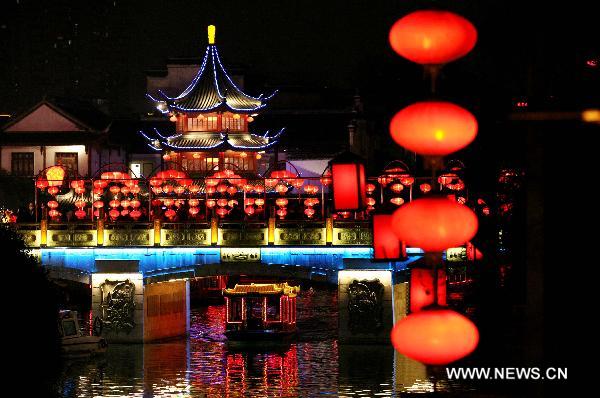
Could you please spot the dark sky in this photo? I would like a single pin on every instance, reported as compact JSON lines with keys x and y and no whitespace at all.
{"x":525,"y":48}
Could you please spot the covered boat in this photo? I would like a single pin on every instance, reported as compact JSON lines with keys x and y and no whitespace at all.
{"x":265,"y":311}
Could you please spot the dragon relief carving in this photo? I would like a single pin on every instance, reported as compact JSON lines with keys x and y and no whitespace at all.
{"x":365,"y":307}
{"x":117,"y":305}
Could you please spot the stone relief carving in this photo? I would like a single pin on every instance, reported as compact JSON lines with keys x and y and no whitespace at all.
{"x":117,"y":305}
{"x":365,"y":307}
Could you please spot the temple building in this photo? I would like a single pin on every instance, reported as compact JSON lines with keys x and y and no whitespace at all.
{"x":212,"y":117}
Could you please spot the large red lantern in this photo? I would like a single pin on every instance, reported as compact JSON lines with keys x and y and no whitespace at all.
{"x":435,"y":337}
{"x":386,"y":244}
{"x":348,"y":182}
{"x":422,"y":288}
{"x":431,"y":37}
{"x":434,"y":128}
{"x":434,"y":224}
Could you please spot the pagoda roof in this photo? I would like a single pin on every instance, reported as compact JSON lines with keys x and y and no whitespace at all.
{"x":263,"y":289}
{"x":212,"y":90}
{"x":210,"y":141}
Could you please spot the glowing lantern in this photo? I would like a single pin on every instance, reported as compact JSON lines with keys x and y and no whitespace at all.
{"x":383,"y":181}
{"x":370,"y":188}
{"x":258,"y":156}
{"x":249,"y":210}
{"x":232,"y":190}
{"x":80,"y":204}
{"x":432,"y":37}
{"x":125,"y":190}
{"x":211,"y":203}
{"x":446,"y":179}
{"x":135,"y":203}
{"x":156,"y":182}
{"x":54,"y":213}
{"x":425,"y":187}
{"x":114,"y":214}
{"x":167,"y":189}
{"x":259,"y":189}
{"x":248,"y":202}
{"x":167,"y":157}
{"x":243,"y":155}
{"x":179,"y":190}
{"x":248,"y":188}
{"x":173,"y":118}
{"x":55,"y":176}
{"x":170,"y":214}
{"x":326,"y":179}
{"x":100,"y":184}
{"x":281,"y":202}
{"x":193,"y":202}
{"x":41,"y":183}
{"x":115,"y":190}
{"x":281,"y":189}
{"x":433,"y":128}
{"x":462,"y":200}
{"x":98,"y":204}
{"x":211,"y":182}
{"x":222,"y":212}
{"x":79,"y":191}
{"x":270,"y":182}
{"x":210,"y":190}
{"x":114,"y":203}
{"x":77,"y":184}
{"x":194,"y":189}
{"x":193,"y":210}
{"x":124,"y":212}
{"x":98,"y":191}
{"x":311,"y":189}
{"x":397,"y":201}
{"x":157,"y":190}
{"x":222,"y":202}
{"x":80,"y":214}
{"x":397,"y":187}
{"x":53,"y":204}
{"x":297,"y":183}
{"x":221,"y":188}
{"x":407,"y":180}
{"x":232,"y":203}
{"x":371,"y":202}
{"x":486,"y":211}
{"x":259,"y":202}
{"x":348,"y":175}
{"x":282,"y":213}
{"x":250,"y":119}
{"x":125,"y":203}
{"x":168,"y":202}
{"x":135,"y":214}
{"x":434,"y":224}
{"x":309,"y":212}
{"x":435,"y":337}
{"x":53,"y":190}
{"x":422,"y":288}
{"x":386,"y":244}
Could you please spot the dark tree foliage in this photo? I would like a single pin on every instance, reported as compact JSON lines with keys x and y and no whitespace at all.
{"x":30,"y":317}
{"x":15,"y":192}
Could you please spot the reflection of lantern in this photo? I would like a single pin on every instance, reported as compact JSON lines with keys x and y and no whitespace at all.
{"x":434,"y":224}
{"x":348,"y":175}
{"x":53,"y":190}
{"x":249,"y":210}
{"x":55,"y":176}
{"x":53,"y":204}
{"x":432,"y":37}
{"x":397,"y":201}
{"x":386,"y":244}
{"x":309,"y":212}
{"x":422,"y":288}
{"x":433,"y":128}
{"x":435,"y":337}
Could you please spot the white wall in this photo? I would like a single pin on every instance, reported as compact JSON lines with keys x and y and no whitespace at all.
{"x":38,"y":157}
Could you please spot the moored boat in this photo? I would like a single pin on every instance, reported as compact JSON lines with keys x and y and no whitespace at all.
{"x":74,"y":342}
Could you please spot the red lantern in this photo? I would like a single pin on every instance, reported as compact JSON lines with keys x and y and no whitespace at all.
{"x":249,"y":210}
{"x":281,"y":189}
{"x":434,"y":224}
{"x":135,"y":214}
{"x":397,"y":187}
{"x":425,"y":187}
{"x":114,"y":214}
{"x":54,"y":213}
{"x":259,"y":189}
{"x":326,"y":179}
{"x":193,"y":210}
{"x":407,"y":180}
{"x":98,"y":204}
{"x":80,"y":214}
{"x":259,"y":202}
{"x":79,"y":190}
{"x":135,"y":203}
{"x":422,"y":288}
{"x":101,"y":184}
{"x":114,"y":203}
{"x":80,"y":204}
{"x":53,"y":204}
{"x":433,"y":128}
{"x":170,"y":214}
{"x":386,"y":244}
{"x":397,"y":201}
{"x":370,"y":188}
{"x":77,"y":184}
{"x":435,"y":337}
{"x":210,"y":203}
{"x":371,"y":202}
{"x":179,"y":190}
{"x":53,"y":190}
{"x":282,"y":213}
{"x":41,"y":183}
{"x":194,"y":189}
{"x":431,"y":37}
{"x":125,"y":203}
{"x":193,"y":202}
{"x":349,"y":184}
{"x":232,"y":203}
{"x":281,"y":202}
{"x":124,"y":212}
{"x":222,"y":212}
{"x":167,"y":189}
{"x":115,"y":190}
{"x":309,"y":212}
{"x":232,"y":190}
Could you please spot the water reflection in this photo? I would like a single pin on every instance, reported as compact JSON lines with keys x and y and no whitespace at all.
{"x":206,"y":365}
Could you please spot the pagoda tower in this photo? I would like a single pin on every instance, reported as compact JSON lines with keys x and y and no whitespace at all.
{"x":212,"y":117}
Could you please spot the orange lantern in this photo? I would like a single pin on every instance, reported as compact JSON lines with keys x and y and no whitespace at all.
{"x":432,"y":37}
{"x":259,"y":189}
{"x":79,"y":191}
{"x":370,"y":188}
{"x":210,"y":190}
{"x":124,"y":212}
{"x":54,"y":213}
{"x":433,"y":128}
{"x":435,"y":337}
{"x":434,"y":224}
{"x":221,"y":188}
{"x":167,"y":189}
{"x":422,"y":288}
{"x":125,"y":203}
{"x":282,"y":213}
{"x":281,"y":189}
{"x":194,"y":189}
{"x":397,"y":201}
{"x":371,"y":202}
{"x":179,"y":190}
{"x":77,"y":184}
{"x":55,"y":175}
{"x":193,"y":202}
{"x":168,"y":202}
{"x":326,"y":179}
{"x":114,"y":203}
{"x":222,"y":202}
{"x":248,"y":202}
{"x":101,"y":184}
{"x":115,"y":190}
{"x":232,"y":203}
{"x":232,"y":190}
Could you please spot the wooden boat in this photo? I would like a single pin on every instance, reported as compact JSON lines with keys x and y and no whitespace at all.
{"x":261,"y":312}
{"x":74,"y":342}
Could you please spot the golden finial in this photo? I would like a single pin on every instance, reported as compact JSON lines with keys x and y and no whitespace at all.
{"x":211,"y":34}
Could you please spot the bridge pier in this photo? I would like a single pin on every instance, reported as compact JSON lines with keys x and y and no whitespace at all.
{"x":133,"y":312}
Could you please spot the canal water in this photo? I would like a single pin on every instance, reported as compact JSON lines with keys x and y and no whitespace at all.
{"x":204,"y":365}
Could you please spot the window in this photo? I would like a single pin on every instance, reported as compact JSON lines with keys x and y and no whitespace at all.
{"x":240,"y":160}
{"x":204,"y":123}
{"x":22,"y":163}
{"x":232,"y":124}
{"x":200,"y":163}
{"x":68,"y":160}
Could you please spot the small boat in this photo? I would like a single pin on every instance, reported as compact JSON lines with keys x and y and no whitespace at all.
{"x":74,"y":342}
{"x":261,"y":312}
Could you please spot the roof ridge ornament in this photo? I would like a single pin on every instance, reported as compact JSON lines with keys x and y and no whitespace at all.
{"x":212,"y":30}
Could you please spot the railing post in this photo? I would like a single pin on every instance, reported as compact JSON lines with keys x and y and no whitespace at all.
{"x":100,"y":229}
{"x":157,"y":231}
{"x":43,"y":231}
{"x":328,"y":231}
{"x":214,"y":230}
{"x":271,"y":231}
